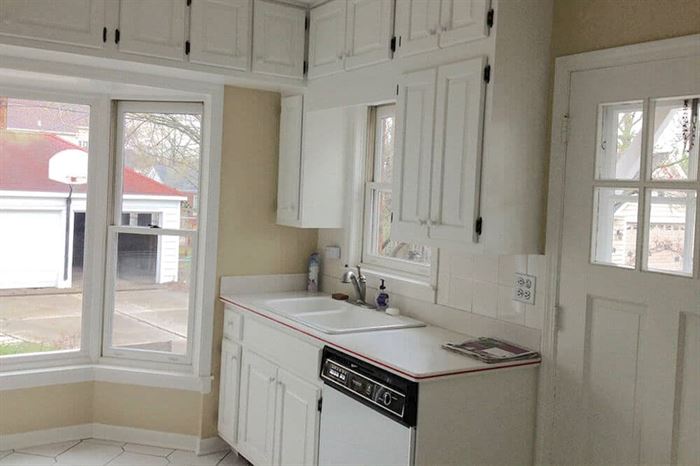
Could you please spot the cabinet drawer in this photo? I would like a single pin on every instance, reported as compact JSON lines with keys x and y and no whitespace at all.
{"x":233,"y":324}
{"x":287,"y":351}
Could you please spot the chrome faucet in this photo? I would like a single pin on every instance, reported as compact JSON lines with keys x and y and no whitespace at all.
{"x":359,"y":282}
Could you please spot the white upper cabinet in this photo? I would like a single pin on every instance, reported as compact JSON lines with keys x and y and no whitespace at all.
{"x":327,"y":38}
{"x":462,"y":21}
{"x":73,"y":22}
{"x":155,"y":28}
{"x":289,"y":170}
{"x":368,"y":32}
{"x":278,"y":39}
{"x":220,"y":33}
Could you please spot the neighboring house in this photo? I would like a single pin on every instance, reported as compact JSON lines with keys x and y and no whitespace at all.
{"x":32,"y":253}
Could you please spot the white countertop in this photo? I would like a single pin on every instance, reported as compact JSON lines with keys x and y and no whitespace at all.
{"x":414,"y":353}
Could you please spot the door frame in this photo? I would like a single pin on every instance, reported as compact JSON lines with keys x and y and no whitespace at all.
{"x":685,"y":46}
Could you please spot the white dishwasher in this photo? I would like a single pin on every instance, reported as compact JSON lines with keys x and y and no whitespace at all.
{"x":368,"y":416}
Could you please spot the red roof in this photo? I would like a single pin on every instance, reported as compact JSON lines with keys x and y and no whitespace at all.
{"x":24,"y":166}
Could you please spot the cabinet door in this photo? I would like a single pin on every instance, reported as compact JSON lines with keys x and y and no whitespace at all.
{"x":278,"y":39}
{"x":296,"y":421}
{"x":220,"y":33}
{"x":457,"y":151}
{"x":289,"y":170}
{"x":155,"y":28}
{"x":257,"y":408}
{"x":327,"y":38}
{"x":417,"y":23}
{"x":229,"y":379}
{"x":462,"y":21}
{"x":368,"y":32}
{"x":74,"y":22}
{"x":412,"y":163}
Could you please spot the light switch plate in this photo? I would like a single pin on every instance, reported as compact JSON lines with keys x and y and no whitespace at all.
{"x":524,"y":288}
{"x":332,"y":252}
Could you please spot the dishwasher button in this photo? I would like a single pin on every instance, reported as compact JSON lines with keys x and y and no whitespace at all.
{"x":386,"y":398}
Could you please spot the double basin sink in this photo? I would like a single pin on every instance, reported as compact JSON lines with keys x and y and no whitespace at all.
{"x":330,"y":316}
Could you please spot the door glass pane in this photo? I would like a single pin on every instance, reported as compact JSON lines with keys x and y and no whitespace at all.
{"x":43,"y":197}
{"x":671,"y":231}
{"x":615,"y":227}
{"x":620,"y":141}
{"x":151,"y":301}
{"x":161,"y":154}
{"x":675,"y":148}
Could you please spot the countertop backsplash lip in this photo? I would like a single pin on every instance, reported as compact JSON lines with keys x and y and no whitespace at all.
{"x":252,"y":284}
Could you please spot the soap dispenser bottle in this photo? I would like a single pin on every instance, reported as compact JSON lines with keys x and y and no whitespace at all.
{"x":382,"y":300}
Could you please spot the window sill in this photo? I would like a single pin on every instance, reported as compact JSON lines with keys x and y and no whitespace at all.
{"x":103,"y":373}
{"x":410,"y":286}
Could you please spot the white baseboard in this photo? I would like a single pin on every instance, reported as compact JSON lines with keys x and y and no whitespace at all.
{"x":115,"y":433}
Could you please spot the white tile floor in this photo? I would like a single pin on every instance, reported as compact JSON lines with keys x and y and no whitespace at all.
{"x":95,"y":452}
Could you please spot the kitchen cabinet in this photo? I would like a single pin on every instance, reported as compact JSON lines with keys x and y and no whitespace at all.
{"x":154,"y":28}
{"x":220,"y":33}
{"x":289,"y":168}
{"x":71,"y":22}
{"x":425,"y":25}
{"x":228,"y":391}
{"x":279,"y":33}
{"x":437,"y":168}
{"x":327,"y":38}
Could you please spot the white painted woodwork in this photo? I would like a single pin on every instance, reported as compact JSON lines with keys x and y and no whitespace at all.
{"x":289,"y":168}
{"x":297,"y":419}
{"x":73,"y":22}
{"x":413,"y":155}
{"x":257,"y":408}
{"x":368,"y":32}
{"x":278,"y":39}
{"x":417,"y":26}
{"x":229,"y":384}
{"x":327,"y":38}
{"x":462,"y":21}
{"x":220,"y":33}
{"x":155,"y":28}
{"x":627,"y":347}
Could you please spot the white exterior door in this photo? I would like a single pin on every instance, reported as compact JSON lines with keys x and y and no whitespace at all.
{"x":459,"y":119}
{"x":257,"y":408}
{"x":412,"y":163}
{"x":417,"y":23}
{"x":628,"y":352}
{"x":296,"y":421}
{"x":289,"y":170}
{"x":278,"y":39}
{"x":327,"y":38}
{"x":462,"y":21}
{"x":74,"y":22}
{"x":220,"y":32}
{"x":368,"y":32}
{"x":229,"y":379}
{"x":155,"y":28}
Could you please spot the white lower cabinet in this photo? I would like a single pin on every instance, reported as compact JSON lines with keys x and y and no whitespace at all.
{"x":228,"y":390}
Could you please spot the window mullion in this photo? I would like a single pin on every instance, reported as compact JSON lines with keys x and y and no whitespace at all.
{"x":643,"y":210}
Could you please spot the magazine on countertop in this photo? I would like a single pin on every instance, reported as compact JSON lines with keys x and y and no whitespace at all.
{"x":492,"y":350}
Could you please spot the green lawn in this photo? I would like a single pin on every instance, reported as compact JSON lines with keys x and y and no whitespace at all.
{"x":23,"y":347}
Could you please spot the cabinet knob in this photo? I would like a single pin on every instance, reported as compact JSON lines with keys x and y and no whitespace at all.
{"x":422,"y":222}
{"x":272,"y":378}
{"x":432,"y":32}
{"x":443,"y":29}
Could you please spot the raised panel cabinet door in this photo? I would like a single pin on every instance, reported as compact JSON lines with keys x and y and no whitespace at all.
{"x":459,"y":120}
{"x":278,"y":39}
{"x":289,"y":169}
{"x":417,"y":24}
{"x":462,"y":21}
{"x":220,"y":33}
{"x":155,"y":28}
{"x":327,"y":38}
{"x":257,"y":408}
{"x":368,"y":32}
{"x":229,"y":379}
{"x":296,"y":421}
{"x":413,"y":157}
{"x":74,"y":22}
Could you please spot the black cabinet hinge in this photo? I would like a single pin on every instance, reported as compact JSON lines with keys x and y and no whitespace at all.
{"x":104,"y":34}
{"x":189,"y":2}
{"x":116,"y":36}
{"x":306,"y":67}
{"x":489,"y":18}
{"x":306,"y":23}
{"x":397,"y":89}
{"x":478,"y":225}
{"x":320,"y":404}
{"x":392,"y":44}
{"x":187,"y":47}
{"x":487,"y":73}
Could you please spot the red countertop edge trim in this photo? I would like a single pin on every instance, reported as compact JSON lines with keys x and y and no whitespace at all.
{"x":379,"y":363}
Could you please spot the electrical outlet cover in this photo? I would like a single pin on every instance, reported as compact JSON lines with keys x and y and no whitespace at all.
{"x":524,"y":288}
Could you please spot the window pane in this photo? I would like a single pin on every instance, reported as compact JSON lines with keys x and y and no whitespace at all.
{"x":43,"y":196}
{"x":151,"y":303}
{"x":382,"y":245}
{"x":615,"y":227}
{"x":161,"y":167}
{"x":671,"y":231}
{"x":620,"y":142}
{"x":385,"y":148}
{"x":675,"y":149}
